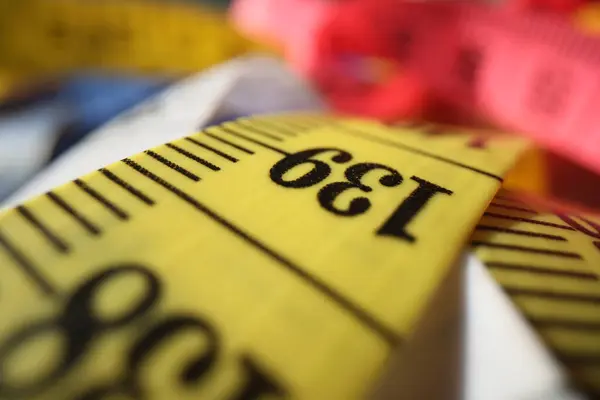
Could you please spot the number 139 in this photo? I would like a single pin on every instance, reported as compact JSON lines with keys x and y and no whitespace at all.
{"x":394,"y":226}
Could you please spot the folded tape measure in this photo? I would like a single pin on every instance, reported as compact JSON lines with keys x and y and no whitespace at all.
{"x":46,"y":37}
{"x":275,"y":257}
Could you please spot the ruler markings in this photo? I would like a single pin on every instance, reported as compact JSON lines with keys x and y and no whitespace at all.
{"x":227,"y":142}
{"x":293,"y":128}
{"x":368,"y":320}
{"x":514,"y":208}
{"x":391,"y":337}
{"x":211,"y":149}
{"x":66,"y":207}
{"x":27,"y":267}
{"x":258,"y":142}
{"x":550,"y":294}
{"x":174,"y":166}
{"x":415,"y":150}
{"x":509,"y":199}
{"x":525,"y":249}
{"x":50,"y":236}
{"x":283,"y":128}
{"x":527,"y":220}
{"x":519,"y":232}
{"x":193,"y":157}
{"x":536,"y":269}
{"x":109,"y":205}
{"x":128,"y":187}
{"x":259,"y":131}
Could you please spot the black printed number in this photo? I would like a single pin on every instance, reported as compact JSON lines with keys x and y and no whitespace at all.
{"x":320,"y":170}
{"x":80,"y":327}
{"x":395,"y":226}
{"x":354,"y":174}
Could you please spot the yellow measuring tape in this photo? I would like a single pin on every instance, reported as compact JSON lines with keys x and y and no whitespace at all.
{"x":278,"y":256}
{"x":548,"y":264}
{"x":40,"y":36}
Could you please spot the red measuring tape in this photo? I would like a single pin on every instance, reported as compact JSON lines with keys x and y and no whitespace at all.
{"x":528,"y":72}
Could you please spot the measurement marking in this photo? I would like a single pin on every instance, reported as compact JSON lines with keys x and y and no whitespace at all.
{"x":530,"y":221}
{"x":133,"y":191}
{"x":27,"y":267}
{"x":519,"y":232}
{"x":535,"y":269}
{"x":525,"y":249}
{"x":258,"y":142}
{"x":507,"y":207}
{"x":212,"y":149}
{"x":220,"y":139}
{"x":112,"y":207}
{"x":549,"y":323}
{"x":283,"y":129}
{"x":84,"y":222}
{"x":193,"y":157}
{"x":387,"y":334}
{"x":54,"y":240}
{"x":173,"y":166}
{"x":289,"y":128}
{"x":508,"y":198}
{"x":552,"y":295}
{"x":513,"y":201}
{"x":260,"y":132}
{"x":375,"y":139}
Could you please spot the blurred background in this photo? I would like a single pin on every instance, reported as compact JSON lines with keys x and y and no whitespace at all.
{"x":67,"y":67}
{"x":87,"y":82}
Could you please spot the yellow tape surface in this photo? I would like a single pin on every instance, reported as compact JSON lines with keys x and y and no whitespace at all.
{"x":549,"y":264}
{"x":279,"y":256}
{"x":40,"y":36}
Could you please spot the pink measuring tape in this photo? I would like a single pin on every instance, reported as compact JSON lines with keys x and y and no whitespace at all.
{"x":270,"y":21}
{"x":528,"y":72}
